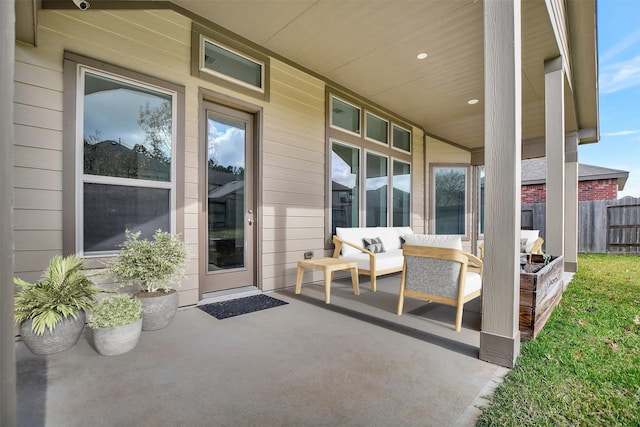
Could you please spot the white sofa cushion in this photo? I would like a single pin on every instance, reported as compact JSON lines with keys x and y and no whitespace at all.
{"x":436,"y":240}
{"x":384,"y":260}
{"x":531,"y":236}
{"x":473,"y":283}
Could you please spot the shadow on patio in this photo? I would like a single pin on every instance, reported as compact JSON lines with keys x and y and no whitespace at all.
{"x":353,"y":362}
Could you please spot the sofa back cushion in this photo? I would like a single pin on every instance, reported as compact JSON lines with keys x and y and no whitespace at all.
{"x":390,"y":237}
{"x":436,"y":240}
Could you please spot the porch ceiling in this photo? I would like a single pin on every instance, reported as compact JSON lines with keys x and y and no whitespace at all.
{"x":371,"y":48}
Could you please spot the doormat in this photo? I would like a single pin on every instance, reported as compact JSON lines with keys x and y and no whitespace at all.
{"x":236,"y":307}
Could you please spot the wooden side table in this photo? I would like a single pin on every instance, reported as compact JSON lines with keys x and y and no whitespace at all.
{"x":328,"y":266}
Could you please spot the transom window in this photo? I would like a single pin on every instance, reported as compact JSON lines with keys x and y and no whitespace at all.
{"x":228,"y":64}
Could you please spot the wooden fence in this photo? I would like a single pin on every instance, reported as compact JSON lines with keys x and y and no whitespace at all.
{"x":604,"y":226}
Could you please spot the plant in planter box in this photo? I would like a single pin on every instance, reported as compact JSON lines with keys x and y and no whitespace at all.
{"x":117,"y":324}
{"x":153,"y":265}
{"x":51,"y":312}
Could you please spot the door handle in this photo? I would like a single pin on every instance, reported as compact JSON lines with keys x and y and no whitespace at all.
{"x":250,"y":220}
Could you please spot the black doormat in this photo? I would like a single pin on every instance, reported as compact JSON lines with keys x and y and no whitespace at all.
{"x":236,"y":307}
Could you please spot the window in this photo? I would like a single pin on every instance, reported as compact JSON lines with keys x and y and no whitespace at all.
{"x":401,"y":139}
{"x":228,"y":64}
{"x":450,"y":203}
{"x":370,"y":180}
{"x":401,"y":194}
{"x":345,"y":187}
{"x":345,"y":115}
{"x":377,"y":189}
{"x":377,"y":128}
{"x":121,"y":156}
{"x":219,"y":58}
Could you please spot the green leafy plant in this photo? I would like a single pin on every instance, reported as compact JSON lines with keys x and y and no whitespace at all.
{"x":64,"y":290}
{"x":118,"y":310}
{"x":151,"y":264}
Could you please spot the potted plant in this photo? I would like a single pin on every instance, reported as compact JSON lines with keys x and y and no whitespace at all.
{"x":51,"y":312}
{"x":117,"y":324}
{"x":153,"y":265}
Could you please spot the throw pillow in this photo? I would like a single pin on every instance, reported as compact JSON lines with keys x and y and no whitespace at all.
{"x":402,"y":241}
{"x":523,"y":246}
{"x":373,"y":244}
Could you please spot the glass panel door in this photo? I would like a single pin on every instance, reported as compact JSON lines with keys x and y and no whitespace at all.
{"x":229,"y":219}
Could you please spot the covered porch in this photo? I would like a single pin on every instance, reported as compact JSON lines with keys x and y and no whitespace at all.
{"x":501,"y":81}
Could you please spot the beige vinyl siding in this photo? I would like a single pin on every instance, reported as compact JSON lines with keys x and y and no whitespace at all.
{"x":293,"y":182}
{"x":418,"y":217}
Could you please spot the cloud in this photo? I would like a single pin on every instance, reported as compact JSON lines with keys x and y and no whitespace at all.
{"x":621,"y":75}
{"x":621,"y":46}
{"x":622,"y":133}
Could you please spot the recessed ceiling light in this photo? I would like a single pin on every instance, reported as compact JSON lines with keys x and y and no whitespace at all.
{"x":472,"y":101}
{"x":422,"y":55}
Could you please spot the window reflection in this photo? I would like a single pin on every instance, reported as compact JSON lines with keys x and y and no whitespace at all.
{"x":450,"y":202}
{"x":345,"y":169}
{"x":377,"y":190}
{"x":401,"y":194}
{"x":127,"y":130}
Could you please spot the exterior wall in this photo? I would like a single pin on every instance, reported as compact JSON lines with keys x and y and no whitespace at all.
{"x":292,"y":185}
{"x":600,"y":189}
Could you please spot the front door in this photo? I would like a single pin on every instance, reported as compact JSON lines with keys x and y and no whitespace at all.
{"x":227,"y":220}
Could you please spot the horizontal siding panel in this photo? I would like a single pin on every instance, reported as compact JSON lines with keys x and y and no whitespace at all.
{"x":37,"y":96}
{"x":50,"y":59}
{"x":26,"y":219}
{"x":295,"y":153}
{"x":139,"y":24}
{"x":303,"y":80}
{"x":37,"y":158}
{"x":27,"y":136}
{"x":289,"y":199}
{"x":282,"y":221}
{"x":293,"y":187}
{"x":100,"y":30}
{"x":310,"y":143}
{"x":291,"y":210}
{"x":293,"y":234}
{"x":275,"y":246}
{"x":48,"y":240}
{"x":26,"y":198}
{"x":37,"y":117}
{"x":292,"y":257}
{"x":274,"y":160}
{"x":32,"y":261}
{"x":37,"y":179}
{"x":299,"y":175}
{"x":283,"y":118}
{"x":39,"y":76}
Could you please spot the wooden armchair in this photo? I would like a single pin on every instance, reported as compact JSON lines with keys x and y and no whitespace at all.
{"x":442,"y":275}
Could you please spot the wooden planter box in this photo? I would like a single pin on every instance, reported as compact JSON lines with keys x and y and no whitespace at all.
{"x":539,"y":294}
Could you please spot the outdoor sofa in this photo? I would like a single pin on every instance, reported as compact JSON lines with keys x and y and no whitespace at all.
{"x":377,"y":250}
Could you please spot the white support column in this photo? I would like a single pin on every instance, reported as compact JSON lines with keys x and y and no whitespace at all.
{"x":554,"y":147}
{"x":571,"y":203}
{"x":7,"y":340}
{"x":500,"y":335}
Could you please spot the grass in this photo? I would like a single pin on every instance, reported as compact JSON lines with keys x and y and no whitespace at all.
{"x":584,"y":367}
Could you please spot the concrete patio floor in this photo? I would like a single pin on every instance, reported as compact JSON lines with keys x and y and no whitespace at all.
{"x":351,"y":363}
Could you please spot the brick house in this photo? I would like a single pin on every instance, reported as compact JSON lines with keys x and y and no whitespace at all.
{"x":594,"y":182}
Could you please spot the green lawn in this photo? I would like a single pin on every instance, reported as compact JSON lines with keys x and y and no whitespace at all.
{"x":584,"y":367}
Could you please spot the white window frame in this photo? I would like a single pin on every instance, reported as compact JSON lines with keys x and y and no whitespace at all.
{"x":360,"y":181}
{"x":204,"y":69}
{"x":392,"y":160}
{"x":82,"y":178}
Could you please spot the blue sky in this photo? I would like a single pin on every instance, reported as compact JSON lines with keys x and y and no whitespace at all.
{"x":619,"y":68}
